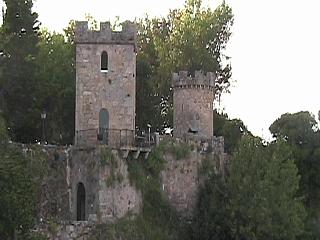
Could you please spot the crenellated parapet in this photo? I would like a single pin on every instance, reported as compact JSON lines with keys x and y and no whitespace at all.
{"x":183,"y":79}
{"x":106,"y":35}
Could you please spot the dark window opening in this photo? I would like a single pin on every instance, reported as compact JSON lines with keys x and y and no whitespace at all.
{"x":104,"y":62}
{"x":81,"y":202}
{"x":103,"y":125}
{"x":193,"y":131}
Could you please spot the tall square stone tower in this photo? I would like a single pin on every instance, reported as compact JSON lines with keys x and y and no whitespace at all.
{"x":105,"y":80}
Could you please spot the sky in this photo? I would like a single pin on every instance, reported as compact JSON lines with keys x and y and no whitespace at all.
{"x":274,"y":49}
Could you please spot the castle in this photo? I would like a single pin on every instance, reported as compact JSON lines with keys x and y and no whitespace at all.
{"x":105,"y":124}
{"x":106,"y":89}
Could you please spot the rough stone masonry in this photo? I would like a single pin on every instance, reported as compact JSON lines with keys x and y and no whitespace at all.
{"x":193,"y":104}
{"x":112,"y":88}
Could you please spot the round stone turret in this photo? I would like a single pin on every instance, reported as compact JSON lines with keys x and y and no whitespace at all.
{"x":193,"y":104}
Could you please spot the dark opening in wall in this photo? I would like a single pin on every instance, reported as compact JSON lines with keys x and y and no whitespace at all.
{"x":81,"y":202}
{"x":104,"y":62}
{"x":103,"y":125}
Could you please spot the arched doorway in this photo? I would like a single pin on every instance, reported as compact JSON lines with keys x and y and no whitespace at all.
{"x":81,"y":202}
{"x":104,"y":125}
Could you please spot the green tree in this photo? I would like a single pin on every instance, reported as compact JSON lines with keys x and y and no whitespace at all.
{"x":19,"y":182}
{"x":19,"y":46}
{"x":55,"y":87}
{"x":301,"y":131}
{"x":3,"y":131}
{"x":148,"y":100}
{"x":258,"y":198}
{"x":191,"y":38}
{"x":231,"y":129}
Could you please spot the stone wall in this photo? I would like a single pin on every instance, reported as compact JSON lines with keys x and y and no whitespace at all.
{"x":121,"y":197}
{"x":114,"y":89}
{"x":84,"y":168}
{"x":109,"y":195}
{"x":66,"y":231}
{"x":182,"y":178}
{"x":107,"y":198}
{"x":181,"y":181}
{"x":193,"y":104}
{"x":55,"y":188}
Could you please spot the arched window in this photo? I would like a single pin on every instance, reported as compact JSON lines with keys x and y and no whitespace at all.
{"x":81,"y":202}
{"x":104,"y":61}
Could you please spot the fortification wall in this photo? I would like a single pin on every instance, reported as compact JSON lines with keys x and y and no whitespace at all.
{"x":117,"y":197}
{"x":54,"y":196}
{"x":183,"y":178}
{"x":105,"y":177}
{"x":108,"y":192}
{"x":181,"y":181}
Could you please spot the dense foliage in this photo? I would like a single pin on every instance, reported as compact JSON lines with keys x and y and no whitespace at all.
{"x":301,"y":131}
{"x":55,"y":87}
{"x":19,"y":39}
{"x":257,"y":199}
{"x":231,"y":129}
{"x":20,"y":179}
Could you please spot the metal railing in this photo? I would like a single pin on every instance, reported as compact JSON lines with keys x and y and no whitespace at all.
{"x":116,"y":138}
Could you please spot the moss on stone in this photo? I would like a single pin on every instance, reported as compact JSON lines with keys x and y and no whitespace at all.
{"x":107,"y":157}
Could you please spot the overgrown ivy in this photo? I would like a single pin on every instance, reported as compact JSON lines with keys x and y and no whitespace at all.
{"x":157,"y":220}
{"x":209,"y":165}
{"x":108,"y":159}
{"x":22,"y":169}
{"x":180,"y":150}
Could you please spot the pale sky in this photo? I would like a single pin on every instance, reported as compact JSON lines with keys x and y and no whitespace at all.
{"x":275,"y":50}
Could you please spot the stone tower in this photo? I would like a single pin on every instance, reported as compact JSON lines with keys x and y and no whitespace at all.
{"x":105,"y":80}
{"x":193,"y":104}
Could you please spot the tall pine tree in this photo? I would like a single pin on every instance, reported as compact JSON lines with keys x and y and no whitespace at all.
{"x":19,"y":36}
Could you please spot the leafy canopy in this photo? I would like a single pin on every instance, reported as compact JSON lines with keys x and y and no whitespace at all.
{"x":20,"y":177}
{"x":191,"y":38}
{"x":301,"y":131}
{"x":258,"y":198}
{"x":19,"y":38}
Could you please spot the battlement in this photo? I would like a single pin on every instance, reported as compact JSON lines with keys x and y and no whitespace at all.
{"x":106,"y":35}
{"x":183,"y":79}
